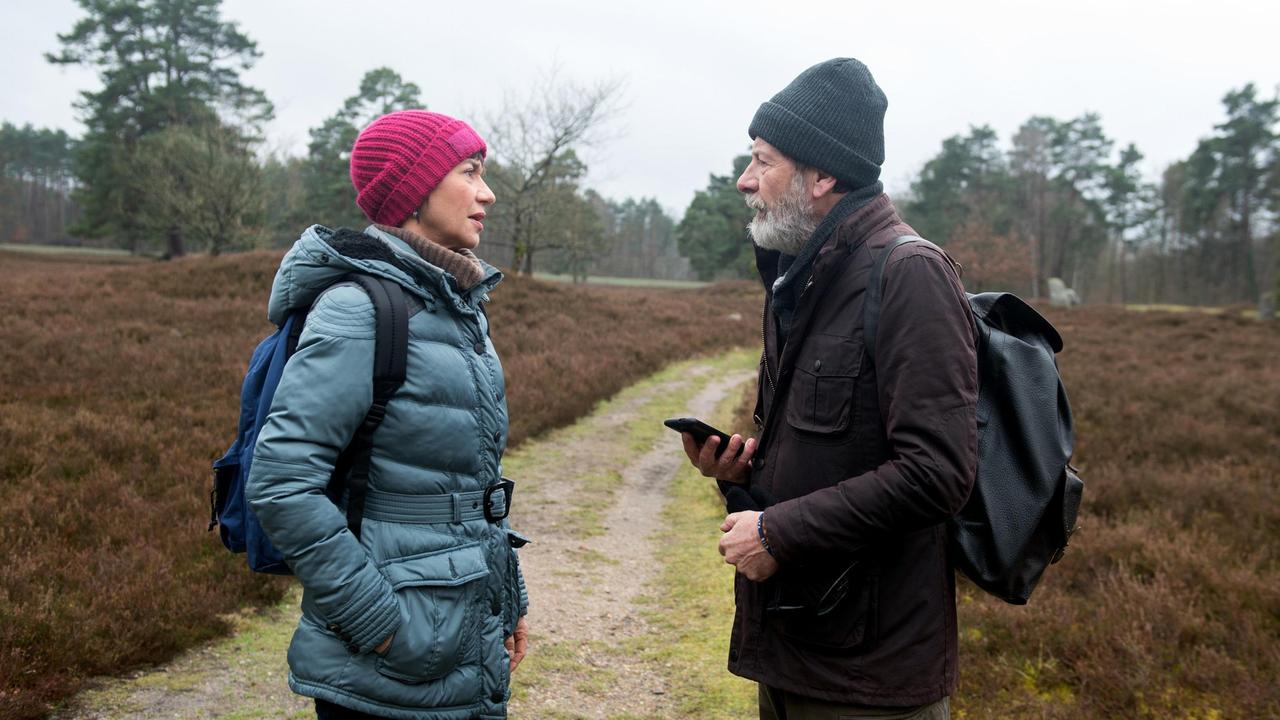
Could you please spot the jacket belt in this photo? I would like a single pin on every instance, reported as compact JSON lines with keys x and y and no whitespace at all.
{"x":432,"y":509}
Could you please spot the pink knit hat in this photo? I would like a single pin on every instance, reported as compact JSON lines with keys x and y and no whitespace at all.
{"x":400,"y":158}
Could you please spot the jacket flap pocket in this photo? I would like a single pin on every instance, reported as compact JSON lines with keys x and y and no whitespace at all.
{"x":831,"y":356}
{"x":822,"y":392}
{"x":443,"y":568}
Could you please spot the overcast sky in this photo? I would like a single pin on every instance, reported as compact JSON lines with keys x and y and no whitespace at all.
{"x":695,"y":71}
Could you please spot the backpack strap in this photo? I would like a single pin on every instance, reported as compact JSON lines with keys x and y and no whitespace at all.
{"x":875,"y":293}
{"x":390,"y":359}
{"x":295,"y":331}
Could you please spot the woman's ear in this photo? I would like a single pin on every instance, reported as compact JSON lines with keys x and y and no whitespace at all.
{"x":411,"y":223}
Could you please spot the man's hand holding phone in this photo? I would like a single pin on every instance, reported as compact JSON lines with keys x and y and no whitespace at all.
{"x":727,"y":461}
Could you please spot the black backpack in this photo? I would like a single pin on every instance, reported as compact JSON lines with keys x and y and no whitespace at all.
{"x":230,"y":512}
{"x":1022,"y":510}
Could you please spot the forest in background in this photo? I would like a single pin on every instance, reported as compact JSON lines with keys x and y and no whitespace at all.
{"x":174,"y":160}
{"x":1061,"y":200}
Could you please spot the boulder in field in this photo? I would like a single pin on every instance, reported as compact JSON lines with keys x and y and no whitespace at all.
{"x":1060,"y":295}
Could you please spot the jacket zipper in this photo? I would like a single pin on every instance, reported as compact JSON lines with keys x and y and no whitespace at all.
{"x":764,"y":336}
{"x":764,"y":346}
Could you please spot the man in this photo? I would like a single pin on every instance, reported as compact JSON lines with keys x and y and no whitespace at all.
{"x":845,"y":598}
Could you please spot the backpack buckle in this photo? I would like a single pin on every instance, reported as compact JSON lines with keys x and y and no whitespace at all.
{"x":372,"y":419}
{"x":1057,"y":555}
{"x":507,"y":487}
{"x":213,"y":510}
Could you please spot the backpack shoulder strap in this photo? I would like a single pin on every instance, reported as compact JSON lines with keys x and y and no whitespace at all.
{"x":391,"y":349}
{"x":390,"y":360}
{"x":875,"y":292}
{"x":299,"y":320}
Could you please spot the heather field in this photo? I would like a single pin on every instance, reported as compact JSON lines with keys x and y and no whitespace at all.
{"x":118,"y":386}
{"x":1167,"y":604}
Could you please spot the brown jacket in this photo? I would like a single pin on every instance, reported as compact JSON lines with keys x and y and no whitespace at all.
{"x":866,"y":458}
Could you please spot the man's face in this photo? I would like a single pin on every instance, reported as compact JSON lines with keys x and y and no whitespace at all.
{"x":768,"y":176}
{"x":779,"y":193}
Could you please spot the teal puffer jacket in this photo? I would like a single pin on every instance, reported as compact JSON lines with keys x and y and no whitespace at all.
{"x":428,"y":567}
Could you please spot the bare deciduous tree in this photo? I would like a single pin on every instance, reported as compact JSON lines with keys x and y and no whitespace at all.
{"x":535,"y":138}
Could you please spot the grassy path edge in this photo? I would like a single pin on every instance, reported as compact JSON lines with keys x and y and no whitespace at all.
{"x":691,"y":605}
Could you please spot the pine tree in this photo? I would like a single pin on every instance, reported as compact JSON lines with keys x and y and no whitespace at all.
{"x":331,"y":199}
{"x":162,"y":63}
{"x":713,"y":231}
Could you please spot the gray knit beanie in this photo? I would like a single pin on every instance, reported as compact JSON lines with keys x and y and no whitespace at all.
{"x":830,"y":117}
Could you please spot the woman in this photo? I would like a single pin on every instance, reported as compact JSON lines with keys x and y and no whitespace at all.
{"x":422,"y":616}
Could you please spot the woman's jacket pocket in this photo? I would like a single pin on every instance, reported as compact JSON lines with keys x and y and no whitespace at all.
{"x":440,"y":597}
{"x":514,"y":589}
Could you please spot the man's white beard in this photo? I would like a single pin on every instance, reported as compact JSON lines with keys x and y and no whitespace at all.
{"x":787,"y":226}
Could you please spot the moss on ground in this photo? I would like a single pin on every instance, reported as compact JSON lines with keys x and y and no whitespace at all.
{"x":239,"y":677}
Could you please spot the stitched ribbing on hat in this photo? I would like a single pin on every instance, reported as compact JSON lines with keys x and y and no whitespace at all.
{"x":802,"y":141}
{"x":400,"y":158}
{"x":830,"y":117}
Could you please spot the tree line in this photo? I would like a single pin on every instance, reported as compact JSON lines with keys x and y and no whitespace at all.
{"x":36,"y":178}
{"x":1060,"y":200}
{"x":173,"y":157}
{"x":173,"y":160}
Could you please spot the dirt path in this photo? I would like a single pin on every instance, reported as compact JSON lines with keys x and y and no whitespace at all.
{"x":588,"y":586}
{"x":591,"y":496}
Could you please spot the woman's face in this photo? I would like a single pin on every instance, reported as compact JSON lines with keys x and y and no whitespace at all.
{"x":453,"y":214}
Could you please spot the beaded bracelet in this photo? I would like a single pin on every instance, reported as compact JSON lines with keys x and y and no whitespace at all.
{"x":760,"y":531}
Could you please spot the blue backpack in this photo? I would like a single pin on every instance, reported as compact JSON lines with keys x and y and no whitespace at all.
{"x":229,"y":509}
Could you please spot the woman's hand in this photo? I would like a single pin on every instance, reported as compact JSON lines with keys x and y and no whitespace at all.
{"x":518,"y":644}
{"x":382,"y":648}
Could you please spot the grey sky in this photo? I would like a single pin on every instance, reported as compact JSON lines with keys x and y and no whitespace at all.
{"x":695,"y":71}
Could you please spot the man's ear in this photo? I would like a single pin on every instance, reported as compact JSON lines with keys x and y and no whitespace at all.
{"x":823,"y":184}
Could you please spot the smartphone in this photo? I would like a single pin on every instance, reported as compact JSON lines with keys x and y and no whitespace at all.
{"x":699,"y":430}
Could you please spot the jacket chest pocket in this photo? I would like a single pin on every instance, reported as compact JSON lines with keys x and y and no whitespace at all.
{"x":440,"y":595}
{"x":821,"y":397}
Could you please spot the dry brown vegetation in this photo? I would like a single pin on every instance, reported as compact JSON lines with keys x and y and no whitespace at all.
{"x":119,"y":386}
{"x":1168,"y":602}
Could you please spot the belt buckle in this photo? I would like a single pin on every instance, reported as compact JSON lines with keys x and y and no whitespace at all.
{"x":507,"y":487}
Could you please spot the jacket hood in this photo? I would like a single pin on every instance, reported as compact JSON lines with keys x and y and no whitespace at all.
{"x":321,"y":256}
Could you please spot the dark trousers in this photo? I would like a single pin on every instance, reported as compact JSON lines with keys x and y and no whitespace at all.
{"x":329,"y":711}
{"x":778,"y":704}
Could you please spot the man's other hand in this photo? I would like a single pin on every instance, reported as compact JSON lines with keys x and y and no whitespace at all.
{"x":741,"y":546}
{"x":733,"y":465}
